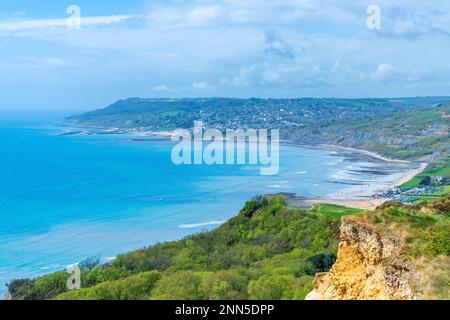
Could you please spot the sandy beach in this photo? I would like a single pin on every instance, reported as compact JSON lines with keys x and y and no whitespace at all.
{"x":365,"y":197}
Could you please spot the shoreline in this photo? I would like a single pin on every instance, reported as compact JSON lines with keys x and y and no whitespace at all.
{"x":350,"y":197}
{"x":368,"y":153}
{"x":353,"y":198}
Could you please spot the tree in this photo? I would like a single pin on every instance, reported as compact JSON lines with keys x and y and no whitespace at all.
{"x":271,"y":287}
{"x":426,"y":181}
{"x":89,"y":263}
{"x":224,"y":285}
{"x":182,"y":285}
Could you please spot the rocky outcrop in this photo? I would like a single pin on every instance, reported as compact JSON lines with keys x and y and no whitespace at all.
{"x":369,"y":266}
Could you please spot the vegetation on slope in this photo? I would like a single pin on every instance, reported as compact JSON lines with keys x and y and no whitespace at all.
{"x":268,"y":251}
{"x":424,"y":230}
{"x":433,"y":183}
{"x":409,"y":134}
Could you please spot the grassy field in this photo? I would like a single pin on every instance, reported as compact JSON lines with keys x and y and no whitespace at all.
{"x":440,"y":168}
{"x":335,"y":212}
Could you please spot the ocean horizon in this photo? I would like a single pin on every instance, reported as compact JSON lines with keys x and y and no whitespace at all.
{"x":67,"y":198}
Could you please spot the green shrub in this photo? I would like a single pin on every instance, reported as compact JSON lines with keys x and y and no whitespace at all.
{"x":136,"y":287}
{"x":435,"y":241}
{"x":20,"y":288}
{"x":39,"y":289}
{"x":182,"y":285}
{"x":102,"y":274}
{"x":224,"y":285}
{"x":271,"y":287}
{"x":302,"y":286}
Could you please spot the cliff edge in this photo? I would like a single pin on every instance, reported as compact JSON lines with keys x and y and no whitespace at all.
{"x":369,"y":266}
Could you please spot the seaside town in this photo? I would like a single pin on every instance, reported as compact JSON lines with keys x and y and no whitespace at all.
{"x":429,"y":187}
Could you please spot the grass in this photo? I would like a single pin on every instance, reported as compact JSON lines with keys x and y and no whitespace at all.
{"x":435,"y":277}
{"x":444,"y":171}
{"x":172,"y":113}
{"x":420,"y":198}
{"x":414,"y":182}
{"x":439,"y":169}
{"x":335,"y":212}
{"x":440,"y":193}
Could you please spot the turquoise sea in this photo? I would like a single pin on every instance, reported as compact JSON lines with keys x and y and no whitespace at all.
{"x":66,"y":198}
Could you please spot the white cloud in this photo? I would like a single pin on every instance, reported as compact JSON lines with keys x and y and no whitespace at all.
{"x":184,"y":16}
{"x":238,"y":47}
{"x":202,"y":86}
{"x":413,"y":26}
{"x":161,"y":88}
{"x":383,"y":72}
{"x":23,"y":25}
{"x":295,"y":74}
{"x":200,"y":13}
{"x":203,"y":15}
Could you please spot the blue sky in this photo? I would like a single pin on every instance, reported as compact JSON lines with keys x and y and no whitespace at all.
{"x":237,"y":48}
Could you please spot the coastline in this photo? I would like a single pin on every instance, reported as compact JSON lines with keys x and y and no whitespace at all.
{"x":354,"y":198}
{"x":350,"y":197}
{"x":367,"y":152}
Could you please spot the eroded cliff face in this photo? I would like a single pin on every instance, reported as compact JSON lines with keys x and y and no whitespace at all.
{"x":369,"y":266}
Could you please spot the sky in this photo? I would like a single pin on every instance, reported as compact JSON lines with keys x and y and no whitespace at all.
{"x":50,"y":58}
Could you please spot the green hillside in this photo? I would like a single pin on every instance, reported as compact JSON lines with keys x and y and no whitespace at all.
{"x":407,"y":128}
{"x":268,"y":251}
{"x":409,"y":134}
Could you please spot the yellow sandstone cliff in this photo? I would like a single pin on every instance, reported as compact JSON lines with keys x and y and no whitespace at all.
{"x":369,"y":266}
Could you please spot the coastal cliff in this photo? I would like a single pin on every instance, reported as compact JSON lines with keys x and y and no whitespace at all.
{"x":271,"y":251}
{"x":369,"y":265}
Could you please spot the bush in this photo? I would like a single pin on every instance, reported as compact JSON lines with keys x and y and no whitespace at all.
{"x":425,"y":181}
{"x":137,"y":287}
{"x":224,"y":285}
{"x":438,"y":239}
{"x":253,"y":205}
{"x":102,"y":274}
{"x":89,"y":263}
{"x":182,"y":285}
{"x":302,"y":286}
{"x":271,"y":287}
{"x":20,"y":288}
{"x":322,"y":262}
{"x":51,"y":285}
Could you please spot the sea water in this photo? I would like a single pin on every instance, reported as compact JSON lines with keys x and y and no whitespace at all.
{"x":67,"y":198}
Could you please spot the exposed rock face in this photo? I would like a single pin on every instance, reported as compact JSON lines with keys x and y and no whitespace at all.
{"x":368,"y":267}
